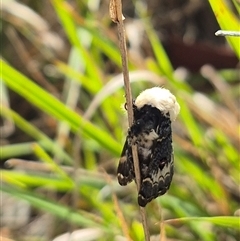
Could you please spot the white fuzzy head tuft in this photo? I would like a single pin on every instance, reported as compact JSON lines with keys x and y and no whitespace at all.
{"x":160,"y":98}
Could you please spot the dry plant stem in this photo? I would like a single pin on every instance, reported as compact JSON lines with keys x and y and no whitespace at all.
{"x":128,"y":93}
{"x":123,"y":49}
{"x":119,"y":212}
{"x":163,"y":232}
{"x":30,"y":166}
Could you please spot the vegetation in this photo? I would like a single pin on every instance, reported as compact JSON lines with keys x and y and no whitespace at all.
{"x":75,"y":145}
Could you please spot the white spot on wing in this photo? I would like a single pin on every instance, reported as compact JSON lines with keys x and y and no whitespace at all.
{"x":161,"y":175}
{"x":152,"y":135}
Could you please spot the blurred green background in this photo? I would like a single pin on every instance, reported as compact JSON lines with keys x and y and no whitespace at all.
{"x":63,"y":123}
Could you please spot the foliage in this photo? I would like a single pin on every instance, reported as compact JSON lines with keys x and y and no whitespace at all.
{"x":204,"y":195}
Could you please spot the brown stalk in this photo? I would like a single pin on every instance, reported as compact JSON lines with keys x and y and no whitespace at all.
{"x":117,"y":17}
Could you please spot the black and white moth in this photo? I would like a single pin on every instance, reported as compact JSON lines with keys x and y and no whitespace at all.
{"x":154,"y":110}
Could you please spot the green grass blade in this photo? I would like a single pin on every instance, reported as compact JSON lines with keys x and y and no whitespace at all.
{"x":223,"y":221}
{"x":237,"y":5}
{"x":35,"y":180}
{"x":49,"y":104}
{"x":227,"y":21}
{"x":34,"y":133}
{"x":15,"y":150}
{"x":44,"y":157}
{"x":54,"y":208}
{"x":64,"y":13}
{"x":160,"y":54}
{"x":190,"y":123}
{"x":103,"y":44}
{"x":69,"y":72}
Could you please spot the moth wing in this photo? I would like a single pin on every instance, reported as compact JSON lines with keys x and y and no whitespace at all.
{"x":157,"y":178}
{"x":125,"y":171}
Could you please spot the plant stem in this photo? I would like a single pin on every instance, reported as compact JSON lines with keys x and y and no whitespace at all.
{"x":116,"y":15}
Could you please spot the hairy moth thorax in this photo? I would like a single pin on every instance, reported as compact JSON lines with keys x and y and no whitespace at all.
{"x":154,"y":110}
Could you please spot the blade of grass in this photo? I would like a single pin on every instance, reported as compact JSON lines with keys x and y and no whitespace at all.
{"x":162,"y":59}
{"x":54,"y":208}
{"x":44,"y":157}
{"x":190,"y":123}
{"x":11,"y":150}
{"x":237,"y":5}
{"x":106,"y":47}
{"x":206,"y":182}
{"x":68,"y":71}
{"x":35,"y":133}
{"x":160,"y":54}
{"x":33,"y":180}
{"x":227,"y":21}
{"x":49,"y":104}
{"x":64,"y":11}
{"x":183,"y":208}
{"x":223,"y":221}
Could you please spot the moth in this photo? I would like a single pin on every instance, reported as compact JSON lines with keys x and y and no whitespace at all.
{"x":154,"y":111}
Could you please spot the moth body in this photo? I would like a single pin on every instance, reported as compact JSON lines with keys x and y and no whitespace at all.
{"x":154,"y":110}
